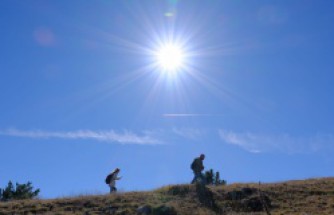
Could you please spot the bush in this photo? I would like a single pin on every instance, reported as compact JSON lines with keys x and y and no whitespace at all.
{"x":213,"y":179}
{"x":21,"y":191}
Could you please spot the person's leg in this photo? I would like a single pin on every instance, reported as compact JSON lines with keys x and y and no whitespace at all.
{"x":194,"y":179}
{"x":203,"y":179}
{"x":196,"y":176}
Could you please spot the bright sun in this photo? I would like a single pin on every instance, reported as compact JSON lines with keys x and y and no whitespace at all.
{"x":170,"y":57}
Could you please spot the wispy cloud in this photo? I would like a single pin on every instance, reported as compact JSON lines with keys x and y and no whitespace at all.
{"x":126,"y":137}
{"x":189,"y":133}
{"x":286,"y":143}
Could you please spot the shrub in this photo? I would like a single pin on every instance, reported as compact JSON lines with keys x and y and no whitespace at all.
{"x":213,"y":179}
{"x":21,"y":191}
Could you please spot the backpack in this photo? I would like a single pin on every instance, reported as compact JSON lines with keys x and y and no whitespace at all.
{"x":193,"y":165}
{"x":108,"y":178}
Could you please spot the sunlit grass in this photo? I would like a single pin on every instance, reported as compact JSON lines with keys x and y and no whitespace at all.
{"x":314,"y":196}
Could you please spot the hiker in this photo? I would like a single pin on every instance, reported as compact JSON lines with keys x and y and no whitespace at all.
{"x":111,"y":180}
{"x":197,"y":167}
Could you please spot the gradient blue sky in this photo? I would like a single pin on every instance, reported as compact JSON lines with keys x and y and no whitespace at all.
{"x":80,"y":92}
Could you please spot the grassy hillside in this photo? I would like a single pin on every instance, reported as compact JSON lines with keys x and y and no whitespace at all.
{"x":304,"y":197}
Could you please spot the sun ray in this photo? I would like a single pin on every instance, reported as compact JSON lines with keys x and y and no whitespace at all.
{"x":170,"y":57}
{"x":171,"y":54}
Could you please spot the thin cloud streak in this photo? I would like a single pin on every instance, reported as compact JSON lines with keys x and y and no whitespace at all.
{"x":189,"y":133}
{"x":285,"y":143}
{"x":126,"y":137}
{"x":188,"y":115}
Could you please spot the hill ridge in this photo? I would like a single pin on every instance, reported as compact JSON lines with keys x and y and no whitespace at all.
{"x":310,"y":196}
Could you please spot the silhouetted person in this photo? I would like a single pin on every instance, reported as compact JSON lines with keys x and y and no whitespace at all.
{"x":111,"y":180}
{"x":197,"y":167}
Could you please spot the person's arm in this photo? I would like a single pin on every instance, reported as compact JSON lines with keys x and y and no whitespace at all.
{"x":202,"y":166}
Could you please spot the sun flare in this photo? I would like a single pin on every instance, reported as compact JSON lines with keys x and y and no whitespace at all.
{"x":170,"y":57}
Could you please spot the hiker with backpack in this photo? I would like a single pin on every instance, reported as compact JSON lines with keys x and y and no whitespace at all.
{"x":197,"y":167}
{"x":111,"y":180}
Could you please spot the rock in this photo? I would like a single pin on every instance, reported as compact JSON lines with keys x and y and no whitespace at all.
{"x":112,"y":209}
{"x":164,"y":210}
{"x":252,"y":204}
{"x":234,"y":195}
{"x":206,"y":197}
{"x":123,"y":212}
{"x":255,"y":203}
{"x":241,"y":194}
{"x":248,"y":191}
{"x":144,"y":210}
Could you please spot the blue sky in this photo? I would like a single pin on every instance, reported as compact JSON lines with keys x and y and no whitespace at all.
{"x":81,"y":92}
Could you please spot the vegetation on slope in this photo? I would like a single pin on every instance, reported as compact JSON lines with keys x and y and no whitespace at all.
{"x":18,"y":192}
{"x":314,"y":196}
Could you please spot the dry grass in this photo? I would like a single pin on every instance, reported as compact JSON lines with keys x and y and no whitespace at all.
{"x":304,"y":197}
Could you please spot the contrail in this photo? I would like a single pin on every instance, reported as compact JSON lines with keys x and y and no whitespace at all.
{"x":189,"y":115}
